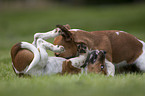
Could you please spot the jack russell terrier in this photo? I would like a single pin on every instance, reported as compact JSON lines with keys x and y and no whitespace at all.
{"x":33,"y":59}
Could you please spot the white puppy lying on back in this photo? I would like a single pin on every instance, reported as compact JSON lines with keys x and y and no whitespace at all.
{"x":41,"y":63}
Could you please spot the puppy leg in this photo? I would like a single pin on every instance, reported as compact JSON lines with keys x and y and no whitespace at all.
{"x":43,"y":53}
{"x":110,"y":68}
{"x":79,"y":61}
{"x":72,"y":66}
{"x":51,"y":34}
{"x":50,"y":46}
{"x":84,"y":70}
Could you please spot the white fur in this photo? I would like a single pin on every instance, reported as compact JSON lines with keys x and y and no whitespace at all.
{"x":140,"y":61}
{"x":47,"y":35}
{"x":74,"y":29}
{"x":110,"y":68}
{"x":79,"y":61}
{"x":53,"y":66}
{"x":46,"y":65}
{"x":35,"y":51}
{"x":117,"y":33}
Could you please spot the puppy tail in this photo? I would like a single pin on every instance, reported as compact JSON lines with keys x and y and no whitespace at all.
{"x":35,"y":52}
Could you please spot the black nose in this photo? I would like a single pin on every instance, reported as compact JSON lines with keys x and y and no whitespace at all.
{"x":57,"y":54}
{"x":105,"y":52}
{"x":102,"y":51}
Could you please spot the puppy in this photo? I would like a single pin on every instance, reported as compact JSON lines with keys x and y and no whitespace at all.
{"x":31,"y":60}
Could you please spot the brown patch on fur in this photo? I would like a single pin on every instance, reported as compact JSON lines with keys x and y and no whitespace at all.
{"x":21,"y":58}
{"x":68,"y":68}
{"x":14,"y":50}
{"x":67,"y":26}
{"x":125,"y":47}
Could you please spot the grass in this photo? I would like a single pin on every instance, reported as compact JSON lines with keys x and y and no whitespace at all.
{"x":21,"y":24}
{"x":78,"y":85}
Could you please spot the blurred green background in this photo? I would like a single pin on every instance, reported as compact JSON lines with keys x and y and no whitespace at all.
{"x":21,"y":19}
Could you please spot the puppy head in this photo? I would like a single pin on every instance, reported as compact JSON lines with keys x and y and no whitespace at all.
{"x":97,"y":62}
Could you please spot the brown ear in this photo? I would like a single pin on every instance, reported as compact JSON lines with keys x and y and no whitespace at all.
{"x":67,"y":26}
{"x":65,"y":32}
{"x":81,"y":38}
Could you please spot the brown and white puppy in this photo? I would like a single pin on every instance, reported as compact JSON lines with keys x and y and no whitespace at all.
{"x":31,"y":59}
{"x":121,"y":47}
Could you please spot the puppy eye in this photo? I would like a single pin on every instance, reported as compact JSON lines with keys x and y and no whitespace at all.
{"x":59,"y":31}
{"x":57,"y":45}
{"x":79,"y":46}
{"x":102,"y":66}
{"x":85,"y":47}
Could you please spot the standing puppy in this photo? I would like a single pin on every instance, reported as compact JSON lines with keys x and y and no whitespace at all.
{"x":121,"y":47}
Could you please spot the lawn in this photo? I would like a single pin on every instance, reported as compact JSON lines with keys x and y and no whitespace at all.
{"x":21,"y":24}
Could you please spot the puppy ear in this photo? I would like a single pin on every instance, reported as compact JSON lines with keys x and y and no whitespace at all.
{"x":67,"y":26}
{"x":65,"y":32}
